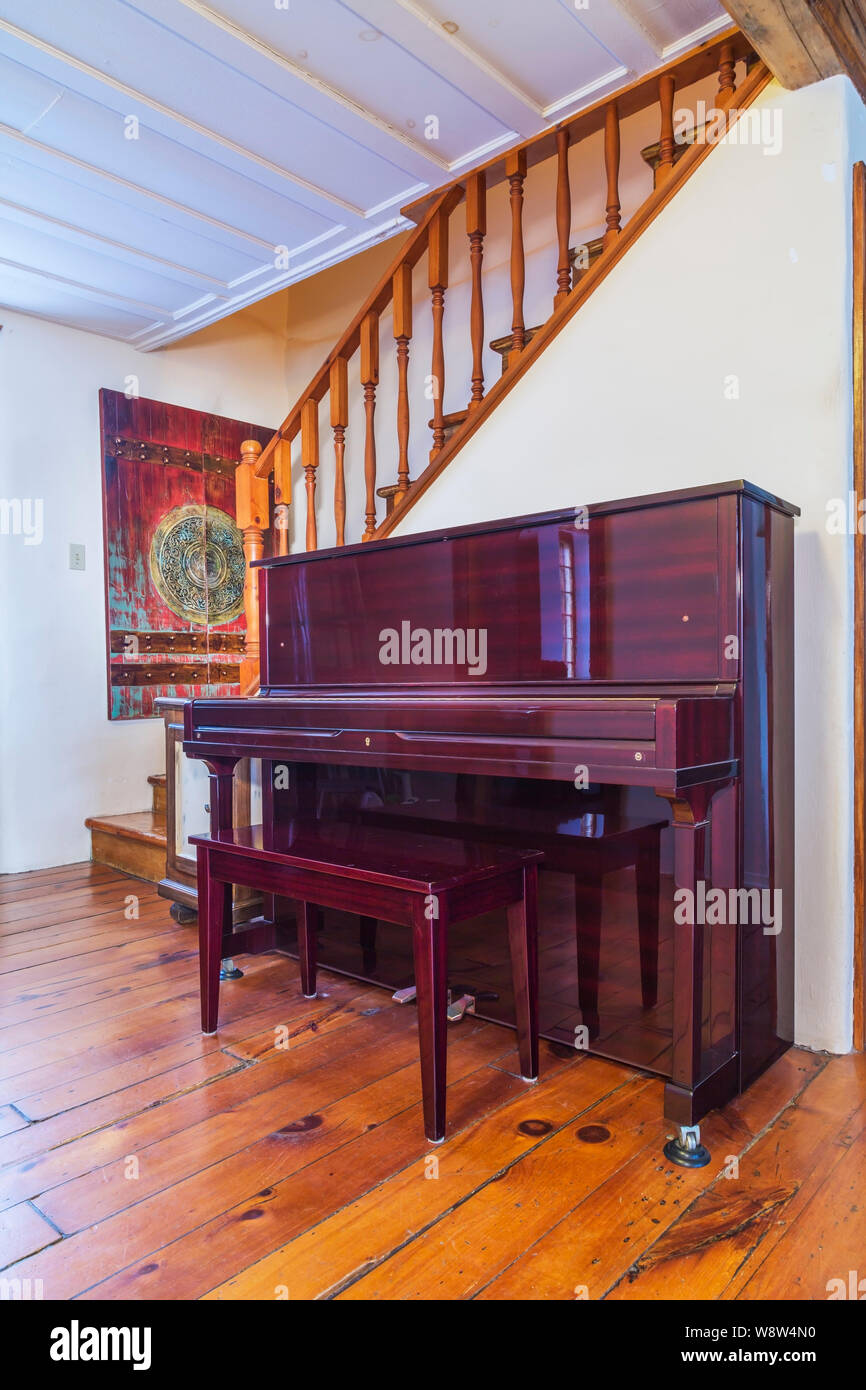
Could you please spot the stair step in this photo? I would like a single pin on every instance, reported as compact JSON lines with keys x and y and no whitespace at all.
{"x":157,"y":782}
{"x":134,"y":843}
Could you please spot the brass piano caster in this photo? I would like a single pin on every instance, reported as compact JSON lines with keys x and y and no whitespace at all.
{"x":687,"y":1149}
{"x":229,"y":971}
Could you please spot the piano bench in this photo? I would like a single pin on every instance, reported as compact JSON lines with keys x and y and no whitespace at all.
{"x":588,"y":848}
{"x":423,"y":882}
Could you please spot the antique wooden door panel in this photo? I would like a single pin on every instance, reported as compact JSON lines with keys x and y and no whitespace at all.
{"x":174,"y":566}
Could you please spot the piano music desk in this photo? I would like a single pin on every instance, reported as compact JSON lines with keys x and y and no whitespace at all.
{"x":422,"y":882}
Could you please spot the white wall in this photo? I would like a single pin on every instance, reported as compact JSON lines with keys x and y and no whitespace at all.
{"x":746,"y":273}
{"x":61,"y":758}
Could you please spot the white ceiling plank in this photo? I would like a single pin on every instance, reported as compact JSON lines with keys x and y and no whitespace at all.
{"x":125,"y":221}
{"x":88,"y":129}
{"x":38,"y":148}
{"x":303,"y":128}
{"x":426,"y":158}
{"x":41,"y":299}
{"x":316,"y":48}
{"x":67,"y":231}
{"x":130,"y":94}
{"x":414,"y":31}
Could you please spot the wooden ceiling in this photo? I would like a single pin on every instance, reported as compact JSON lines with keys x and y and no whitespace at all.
{"x":166,"y":162}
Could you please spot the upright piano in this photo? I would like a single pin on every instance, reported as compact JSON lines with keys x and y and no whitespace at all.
{"x":561,"y":675}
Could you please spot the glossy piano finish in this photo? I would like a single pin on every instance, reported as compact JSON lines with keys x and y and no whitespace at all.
{"x":598,"y":595}
{"x":646,"y":645}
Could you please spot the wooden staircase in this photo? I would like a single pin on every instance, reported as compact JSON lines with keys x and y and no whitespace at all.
{"x":576,"y":272}
{"x":134,"y":843}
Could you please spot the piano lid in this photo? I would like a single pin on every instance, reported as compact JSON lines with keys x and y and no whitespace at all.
{"x":638,"y":592}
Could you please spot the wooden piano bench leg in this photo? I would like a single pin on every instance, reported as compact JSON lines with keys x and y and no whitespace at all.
{"x":307,"y":921}
{"x":523,"y":941}
{"x":214,"y":920}
{"x":430,"y":952}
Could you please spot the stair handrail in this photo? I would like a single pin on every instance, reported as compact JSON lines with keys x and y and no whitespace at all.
{"x":572,"y":287}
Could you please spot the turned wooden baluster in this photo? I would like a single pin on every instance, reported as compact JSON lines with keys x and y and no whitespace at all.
{"x":437,"y":279}
{"x":515,"y":169}
{"x":310,"y":460}
{"x":611,"y":164}
{"x":251,"y":501}
{"x":402,"y":295}
{"x":563,"y":217}
{"x":727,"y":73}
{"x":339,"y":389}
{"x":369,"y":381}
{"x":667,"y":87}
{"x":282,"y":493}
{"x":476,"y":228}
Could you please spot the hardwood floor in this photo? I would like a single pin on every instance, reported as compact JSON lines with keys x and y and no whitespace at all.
{"x":286,"y":1157}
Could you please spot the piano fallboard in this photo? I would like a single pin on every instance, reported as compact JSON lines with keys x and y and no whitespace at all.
{"x":666,"y":742}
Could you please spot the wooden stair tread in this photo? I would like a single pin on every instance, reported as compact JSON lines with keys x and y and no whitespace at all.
{"x":450,"y":422}
{"x":144,"y":826}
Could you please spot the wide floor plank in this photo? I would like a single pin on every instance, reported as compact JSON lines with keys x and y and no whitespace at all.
{"x":285,"y":1157}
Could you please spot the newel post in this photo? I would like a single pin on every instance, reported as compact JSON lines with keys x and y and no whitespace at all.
{"x":251,"y":494}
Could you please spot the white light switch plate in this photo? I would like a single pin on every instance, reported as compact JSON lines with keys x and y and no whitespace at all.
{"x":76,"y":557}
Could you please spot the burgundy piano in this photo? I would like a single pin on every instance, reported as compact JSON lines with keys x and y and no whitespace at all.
{"x":566,"y":676}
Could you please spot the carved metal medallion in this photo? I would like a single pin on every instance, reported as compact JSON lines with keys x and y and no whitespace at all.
{"x":197,"y":564}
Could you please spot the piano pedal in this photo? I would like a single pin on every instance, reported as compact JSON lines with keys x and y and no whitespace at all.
{"x":457,"y":1007}
{"x":464,"y":1004}
{"x":481,"y":996}
{"x":229,"y":971}
{"x":686,"y":1149}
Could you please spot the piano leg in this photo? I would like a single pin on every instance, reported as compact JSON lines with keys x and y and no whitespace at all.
{"x":691,"y":838}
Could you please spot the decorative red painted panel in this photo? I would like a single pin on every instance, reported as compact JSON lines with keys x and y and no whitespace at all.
{"x":174,"y":565}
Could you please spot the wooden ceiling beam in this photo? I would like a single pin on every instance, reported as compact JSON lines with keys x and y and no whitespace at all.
{"x":803,"y":41}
